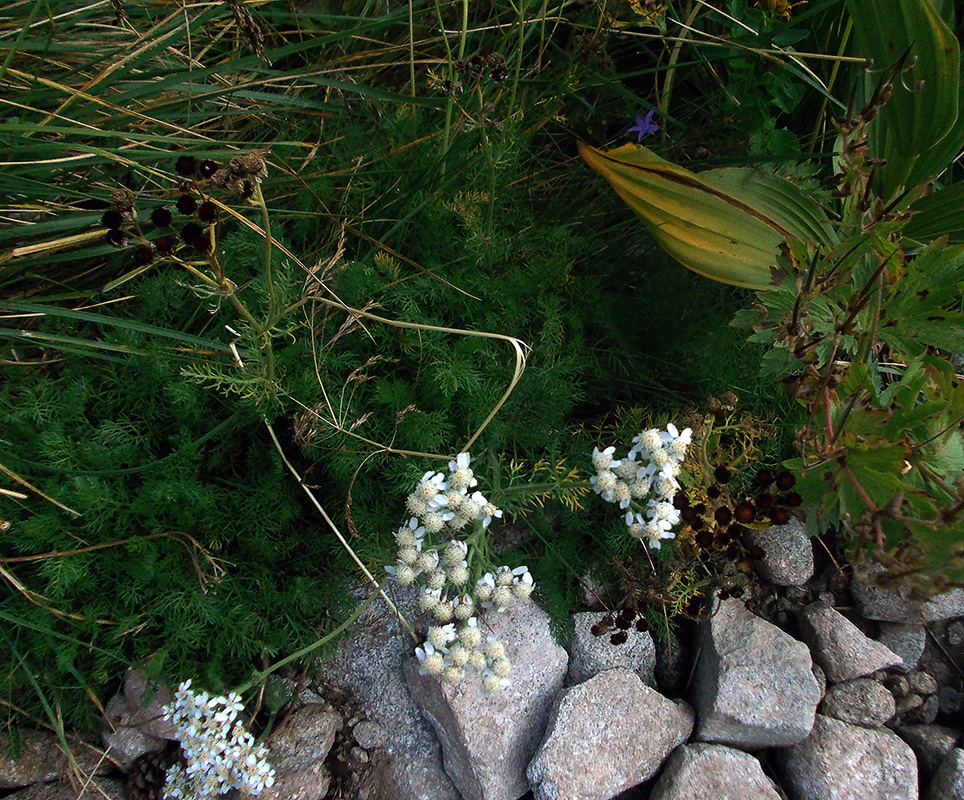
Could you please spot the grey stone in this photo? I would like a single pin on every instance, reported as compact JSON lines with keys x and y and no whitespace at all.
{"x":948,"y":782}
{"x":604,"y":736}
{"x":712,"y":771}
{"x":949,"y":605}
{"x":589,"y":655}
{"x":753,"y":686}
{"x":955,"y":634}
{"x":922,"y":682}
{"x":124,"y":740}
{"x":94,"y":789}
{"x":950,"y":700}
{"x":297,"y":751}
{"x":369,"y":734}
{"x":846,"y":762}
{"x":146,"y":700}
{"x":904,"y":640}
{"x":368,"y":664}
{"x":930,"y":743}
{"x":879,"y":603}
{"x":788,"y":553}
{"x":923,"y":714}
{"x":862,"y":701}
{"x":840,"y":647}
{"x":488,"y":741}
{"x":41,"y":760}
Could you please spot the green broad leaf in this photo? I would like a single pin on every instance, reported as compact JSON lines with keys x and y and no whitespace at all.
{"x":915,"y":315}
{"x":876,"y":467}
{"x":938,"y":214}
{"x":727,"y":225}
{"x":919,"y":131}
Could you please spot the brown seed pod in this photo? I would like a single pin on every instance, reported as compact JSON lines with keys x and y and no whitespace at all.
{"x":744,"y":512}
{"x":785,"y":481}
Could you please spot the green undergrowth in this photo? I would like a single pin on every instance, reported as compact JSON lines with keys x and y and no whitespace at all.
{"x":151,"y":518}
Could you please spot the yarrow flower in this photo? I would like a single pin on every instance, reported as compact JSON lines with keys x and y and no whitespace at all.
{"x":220,"y":754}
{"x":644,"y":483}
{"x":431,"y":554}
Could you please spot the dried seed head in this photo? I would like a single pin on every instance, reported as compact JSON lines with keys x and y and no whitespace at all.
{"x":186,"y":166}
{"x":161,"y":217}
{"x":122,"y":200}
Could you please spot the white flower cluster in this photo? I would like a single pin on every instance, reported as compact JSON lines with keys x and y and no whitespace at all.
{"x":221,"y":755}
{"x":443,"y":506}
{"x":648,"y":474}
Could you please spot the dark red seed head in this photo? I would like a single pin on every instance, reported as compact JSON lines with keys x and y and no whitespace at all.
{"x":757,"y":553}
{"x":779,"y":515}
{"x":700,"y":508}
{"x":722,"y":475}
{"x":112,"y":219}
{"x":208,"y":167}
{"x":619,"y":637}
{"x":642,"y":624}
{"x":704,"y":539}
{"x":186,"y":204}
{"x":793,"y":499}
{"x":186,"y":166}
{"x":723,"y":515}
{"x":763,"y":478}
{"x":688,"y":515}
{"x":713,"y":491}
{"x":161,"y":217}
{"x":208,"y":212}
{"x":733,"y":552}
{"x":764,"y":501}
{"x":165,"y":244}
{"x":785,"y":481}
{"x":744,"y":512}
{"x":144,"y":254}
{"x":191,"y":232}
{"x":680,"y":501}
{"x":117,"y":237}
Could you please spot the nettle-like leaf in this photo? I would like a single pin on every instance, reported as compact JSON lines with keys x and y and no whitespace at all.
{"x":916,"y":313}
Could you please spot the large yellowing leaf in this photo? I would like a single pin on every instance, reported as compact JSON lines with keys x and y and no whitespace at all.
{"x":725,"y":224}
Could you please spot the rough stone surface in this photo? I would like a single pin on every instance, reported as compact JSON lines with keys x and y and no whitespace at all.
{"x":861,"y":701}
{"x":904,"y":640}
{"x":96,"y":789}
{"x":369,"y":735}
{"x":487,"y":742}
{"x":753,"y":686}
{"x":840,"y":647}
{"x":949,"y":605}
{"x":712,"y":771}
{"x":876,"y":602}
{"x":604,"y":736}
{"x":297,"y":752}
{"x":146,"y":700}
{"x":846,"y":762}
{"x":788,"y":553}
{"x":124,"y":740}
{"x":589,"y":655}
{"x":930,"y":743}
{"x":948,"y":782}
{"x":41,"y":760}
{"x":368,"y":663}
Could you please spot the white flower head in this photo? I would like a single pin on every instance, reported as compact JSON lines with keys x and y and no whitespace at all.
{"x":603,"y":459}
{"x":461,"y":477}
